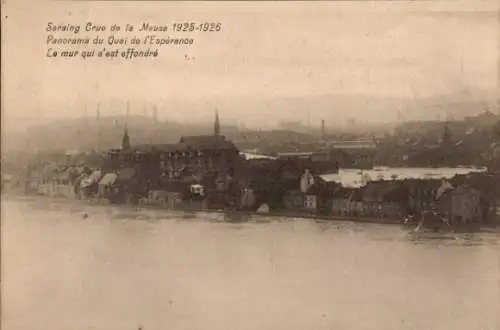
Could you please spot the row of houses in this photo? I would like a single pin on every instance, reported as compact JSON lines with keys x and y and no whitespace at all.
{"x":461,"y":196}
{"x":465,"y":197}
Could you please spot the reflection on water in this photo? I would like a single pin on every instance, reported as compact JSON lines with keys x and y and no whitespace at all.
{"x":119,"y":268}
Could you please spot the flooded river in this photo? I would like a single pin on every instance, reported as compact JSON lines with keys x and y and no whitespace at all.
{"x":73,"y":266}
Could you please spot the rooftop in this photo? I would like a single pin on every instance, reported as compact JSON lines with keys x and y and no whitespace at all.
{"x":354,"y":144}
{"x":351,"y":178}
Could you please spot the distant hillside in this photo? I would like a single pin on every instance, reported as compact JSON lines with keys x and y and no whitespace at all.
{"x":105,"y":133}
{"x":434,"y":129}
{"x":338,"y":110}
{"x":92,"y":134}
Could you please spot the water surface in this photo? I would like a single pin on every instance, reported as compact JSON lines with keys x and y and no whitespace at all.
{"x":120,"y":268}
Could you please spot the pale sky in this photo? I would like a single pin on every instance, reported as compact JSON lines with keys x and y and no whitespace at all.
{"x":404,"y":49}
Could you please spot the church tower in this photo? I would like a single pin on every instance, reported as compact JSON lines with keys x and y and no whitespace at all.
{"x":126,"y":140}
{"x":216,"y":124}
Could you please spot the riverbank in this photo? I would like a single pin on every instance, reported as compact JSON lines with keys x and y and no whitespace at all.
{"x":231,"y":216}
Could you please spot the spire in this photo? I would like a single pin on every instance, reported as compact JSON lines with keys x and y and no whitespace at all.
{"x":217,"y":124}
{"x":126,"y":139}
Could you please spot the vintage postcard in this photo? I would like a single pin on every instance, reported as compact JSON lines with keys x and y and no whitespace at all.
{"x":250,"y":165}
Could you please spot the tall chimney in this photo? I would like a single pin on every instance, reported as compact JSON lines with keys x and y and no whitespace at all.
{"x":216,"y":124}
{"x":323,"y":129}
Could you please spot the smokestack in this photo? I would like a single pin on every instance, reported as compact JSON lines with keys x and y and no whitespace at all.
{"x":323,"y":129}
{"x":217,"y":124}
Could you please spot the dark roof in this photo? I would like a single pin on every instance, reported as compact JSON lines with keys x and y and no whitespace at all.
{"x":166,"y":147}
{"x":126,"y":174}
{"x":126,"y":152}
{"x":206,"y":142}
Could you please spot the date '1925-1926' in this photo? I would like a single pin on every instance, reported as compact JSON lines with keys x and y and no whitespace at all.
{"x":202,"y":27}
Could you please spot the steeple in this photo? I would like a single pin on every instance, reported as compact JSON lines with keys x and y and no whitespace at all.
{"x":217,"y":124}
{"x":126,"y":139}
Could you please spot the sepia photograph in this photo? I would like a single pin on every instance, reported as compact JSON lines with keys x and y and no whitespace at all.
{"x":250,"y":165}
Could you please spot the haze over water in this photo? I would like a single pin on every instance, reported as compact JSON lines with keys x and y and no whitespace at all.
{"x":121,"y":268}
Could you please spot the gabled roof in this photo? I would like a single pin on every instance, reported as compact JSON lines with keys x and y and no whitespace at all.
{"x":108,"y":179}
{"x":94,"y":177}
